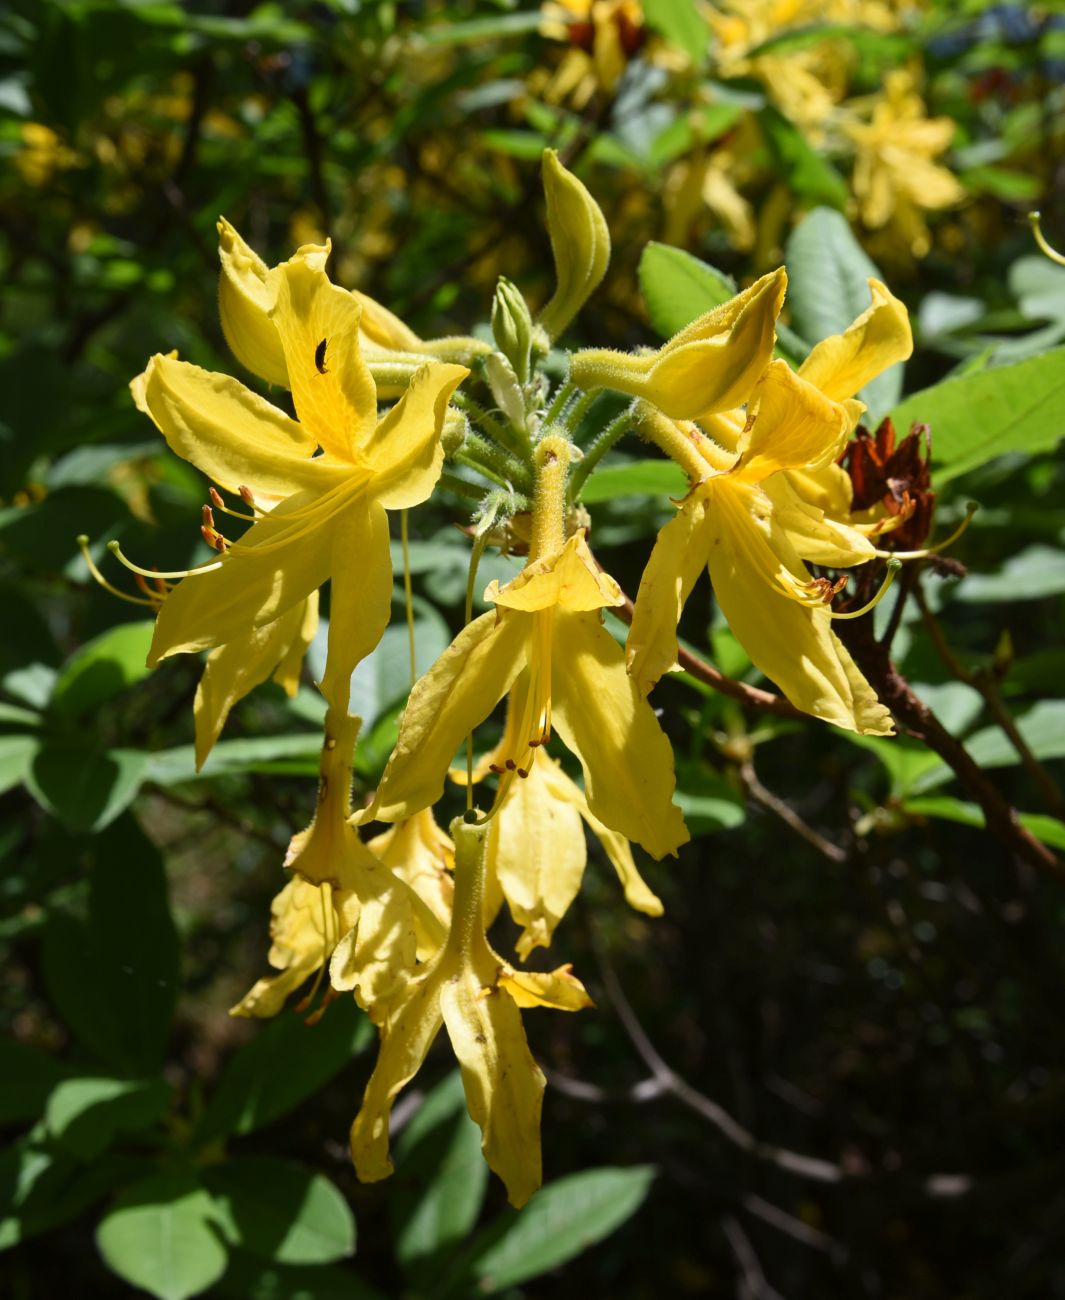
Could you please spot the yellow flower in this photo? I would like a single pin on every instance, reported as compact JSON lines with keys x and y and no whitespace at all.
{"x":605,"y":32}
{"x":710,"y":365}
{"x":331,"y":520}
{"x":546,"y":645}
{"x":469,"y":989}
{"x":345,"y":909}
{"x":536,"y":851}
{"x":748,"y":523}
{"x":895,"y":178}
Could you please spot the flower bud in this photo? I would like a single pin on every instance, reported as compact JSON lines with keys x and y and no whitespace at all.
{"x":580,"y":243}
{"x":512,"y":327}
{"x":505,"y":388}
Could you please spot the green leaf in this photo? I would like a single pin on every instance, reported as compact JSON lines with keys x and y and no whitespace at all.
{"x":656,"y":478}
{"x":85,"y":787}
{"x":807,"y":173}
{"x":16,"y":757}
{"x":678,"y":288}
{"x":248,"y":1278}
{"x":987,"y":413}
{"x":84,"y":1115}
{"x":27,"y":1076}
{"x":1031,"y":574}
{"x":1048,"y":829}
{"x":481,"y":29}
{"x":101,"y":669}
{"x":441,"y":1181}
{"x":1042,"y":726}
{"x":259,"y":754}
{"x":280,"y":1211}
{"x":564,"y":1218}
{"x":114,"y":977}
{"x":160,"y":1236}
{"x":285,"y":1062}
{"x":681,"y":22}
{"x":827,"y":290}
{"x":906,"y":761}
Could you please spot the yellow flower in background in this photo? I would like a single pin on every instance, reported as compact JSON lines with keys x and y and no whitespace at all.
{"x":536,"y":851}
{"x":604,"y":33}
{"x":331,"y":520}
{"x":896,"y":178}
{"x":544,"y":644}
{"x":746,"y":520}
{"x":43,"y":154}
{"x":470,"y":990}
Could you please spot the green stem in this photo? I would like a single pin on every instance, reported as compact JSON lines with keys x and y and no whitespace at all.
{"x":579,"y":410}
{"x":562,"y":395}
{"x":471,"y":491}
{"x":595,"y":453}
{"x":505,"y":470}
{"x":505,"y":434}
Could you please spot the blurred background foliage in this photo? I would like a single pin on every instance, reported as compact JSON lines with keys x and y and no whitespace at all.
{"x":866,"y":982}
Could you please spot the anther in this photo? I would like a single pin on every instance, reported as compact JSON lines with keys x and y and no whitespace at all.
{"x":893,"y":566}
{"x":511,"y":765}
{"x":522,"y":773}
{"x":216,"y":497}
{"x":494,"y":767}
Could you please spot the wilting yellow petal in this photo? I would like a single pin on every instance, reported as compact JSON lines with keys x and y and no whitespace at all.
{"x":842,"y":365}
{"x":332,"y":389}
{"x":537,"y":852}
{"x":404,"y":451}
{"x":235,"y":669}
{"x":412,"y":1023}
{"x":244,"y":303}
{"x":559,"y":989}
{"x":711,"y":365}
{"x":360,"y":599}
{"x":792,"y":643}
{"x":228,"y":432}
{"x":580,"y":243}
{"x":276,"y":564}
{"x":455,"y":695}
{"x":504,"y":1086}
{"x":419,"y":852}
{"x":792,"y":425}
{"x":677,"y":558}
{"x":298,"y":939}
{"x":627,"y":760}
{"x":570,"y":578}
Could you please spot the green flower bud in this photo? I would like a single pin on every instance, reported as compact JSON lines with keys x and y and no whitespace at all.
{"x":580,"y":243}
{"x":512,"y":327}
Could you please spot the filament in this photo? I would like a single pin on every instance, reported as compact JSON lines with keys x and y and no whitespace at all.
{"x":970,"y":510}
{"x":83,"y":546}
{"x":893,"y":566}
{"x":116,"y":551}
{"x":1034,"y":220}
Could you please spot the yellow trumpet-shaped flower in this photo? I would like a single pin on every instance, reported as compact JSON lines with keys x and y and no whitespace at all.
{"x":546,"y":645}
{"x":747,"y":521}
{"x":331,"y":521}
{"x":345,"y":910}
{"x":710,"y":365}
{"x":471,"y":991}
{"x":536,"y":851}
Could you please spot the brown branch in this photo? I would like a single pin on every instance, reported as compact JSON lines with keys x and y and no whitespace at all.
{"x":788,"y":815}
{"x":920,"y":722}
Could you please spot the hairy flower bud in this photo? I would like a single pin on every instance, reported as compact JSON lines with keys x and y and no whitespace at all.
{"x":580,"y":243}
{"x":512,"y":327}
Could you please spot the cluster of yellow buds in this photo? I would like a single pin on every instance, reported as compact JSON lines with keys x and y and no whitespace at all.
{"x":400,"y":920}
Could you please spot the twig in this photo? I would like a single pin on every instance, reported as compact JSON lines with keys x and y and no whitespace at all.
{"x":788,"y":815}
{"x":752,"y":1284}
{"x":793,"y":1227}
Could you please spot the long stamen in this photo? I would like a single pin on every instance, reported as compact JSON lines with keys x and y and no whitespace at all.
{"x":325,"y":899}
{"x":893,"y":566}
{"x":1035,"y":220}
{"x":308,"y":520}
{"x":219,"y":504}
{"x":109,"y":587}
{"x":116,"y":551}
{"x":970,"y":510}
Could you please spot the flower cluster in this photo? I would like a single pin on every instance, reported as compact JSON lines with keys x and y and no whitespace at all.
{"x":399,"y":920}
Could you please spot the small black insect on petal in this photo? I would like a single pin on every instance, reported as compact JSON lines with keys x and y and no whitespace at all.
{"x":319,"y":357}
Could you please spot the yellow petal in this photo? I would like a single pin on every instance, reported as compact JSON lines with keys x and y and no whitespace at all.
{"x":244,"y":302}
{"x":288,"y":670}
{"x":382,"y":328}
{"x":816,"y":538}
{"x":504,"y":1085}
{"x":235,"y":669}
{"x":276,"y":564}
{"x":792,"y":425}
{"x":711,"y":365}
{"x":228,"y":432}
{"x":412,"y":1022}
{"x":677,"y":558}
{"x":404,"y":451}
{"x":298,"y":948}
{"x":843,"y":364}
{"x":332,"y":389}
{"x":627,"y":760}
{"x":792,"y":643}
{"x":420,"y":853}
{"x":455,"y":695}
{"x":570,"y":578}
{"x":360,"y":597}
{"x":537,"y":851}
{"x":580,"y":243}
{"x":559,"y":989}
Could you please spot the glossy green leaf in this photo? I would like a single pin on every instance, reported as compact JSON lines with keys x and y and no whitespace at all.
{"x":281,"y":1211}
{"x":161,"y":1236}
{"x":1048,"y":829}
{"x":101,"y":669}
{"x":1042,"y":726}
{"x":285,"y":1062}
{"x":1020,"y":410}
{"x":808,"y":173}
{"x":16,"y":757}
{"x":443,"y":1179}
{"x":84,"y":1115}
{"x":299,"y":753}
{"x":85,"y":787}
{"x":563,"y":1218}
{"x":249,"y":1278}
{"x":828,"y":274}
{"x":1032,"y":574}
